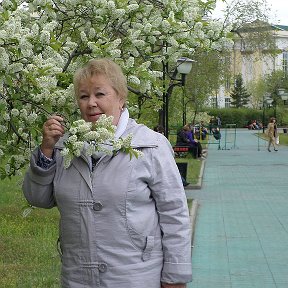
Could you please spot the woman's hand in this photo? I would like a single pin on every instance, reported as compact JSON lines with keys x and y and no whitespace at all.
{"x":52,"y":131}
{"x":166,"y":285}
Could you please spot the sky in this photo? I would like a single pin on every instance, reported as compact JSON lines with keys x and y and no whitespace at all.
{"x":279,"y":11}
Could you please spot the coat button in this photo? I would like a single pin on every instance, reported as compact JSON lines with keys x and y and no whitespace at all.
{"x":97,"y":206}
{"x":102,"y":267}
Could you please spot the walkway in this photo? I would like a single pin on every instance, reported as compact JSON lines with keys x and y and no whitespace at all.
{"x":241,"y":233}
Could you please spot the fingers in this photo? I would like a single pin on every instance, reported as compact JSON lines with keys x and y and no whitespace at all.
{"x":52,"y":131}
{"x":53,"y":126}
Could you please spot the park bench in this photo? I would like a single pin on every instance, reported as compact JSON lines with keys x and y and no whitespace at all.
{"x":181,"y":151}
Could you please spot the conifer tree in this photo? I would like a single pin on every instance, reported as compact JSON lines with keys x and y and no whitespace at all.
{"x":239,"y":93}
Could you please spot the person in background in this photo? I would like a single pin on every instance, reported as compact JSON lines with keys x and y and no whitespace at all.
{"x":216,"y":133}
{"x":272,"y":133}
{"x":211,"y":124}
{"x":218,"y":121}
{"x":123,"y":222}
{"x":203,"y":131}
{"x":185,"y":137}
{"x":159,"y":129}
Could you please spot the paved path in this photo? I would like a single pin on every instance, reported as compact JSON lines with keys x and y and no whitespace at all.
{"x":241,"y":233}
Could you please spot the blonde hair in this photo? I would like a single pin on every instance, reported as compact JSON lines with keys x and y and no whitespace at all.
{"x":107,"y":68}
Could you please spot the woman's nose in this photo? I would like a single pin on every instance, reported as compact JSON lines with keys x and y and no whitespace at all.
{"x":92,"y":101}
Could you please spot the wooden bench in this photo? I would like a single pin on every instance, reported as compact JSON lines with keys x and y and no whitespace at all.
{"x":181,"y":151}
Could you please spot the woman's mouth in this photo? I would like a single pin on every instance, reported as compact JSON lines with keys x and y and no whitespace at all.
{"x":94,"y":117}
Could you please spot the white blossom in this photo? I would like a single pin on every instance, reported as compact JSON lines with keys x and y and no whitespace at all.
{"x":15,"y":112}
{"x":4,"y":58}
{"x":6,"y":116}
{"x":83,"y":36}
{"x":39,"y":57}
{"x":132,"y":7}
{"x":3,"y":128}
{"x":7,"y":168}
{"x":15,"y":67}
{"x":133,"y":79}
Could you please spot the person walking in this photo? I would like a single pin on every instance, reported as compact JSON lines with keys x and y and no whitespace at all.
{"x":272,"y":134}
{"x":123,"y":222}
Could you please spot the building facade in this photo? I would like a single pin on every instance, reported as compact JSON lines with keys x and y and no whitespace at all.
{"x":254,"y":59}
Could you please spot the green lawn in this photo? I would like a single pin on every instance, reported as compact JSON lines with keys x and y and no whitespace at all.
{"x":283,"y":138}
{"x":194,"y":165}
{"x":193,"y":168}
{"x":28,"y":254}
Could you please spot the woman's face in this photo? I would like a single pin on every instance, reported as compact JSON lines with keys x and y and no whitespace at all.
{"x":96,"y":96}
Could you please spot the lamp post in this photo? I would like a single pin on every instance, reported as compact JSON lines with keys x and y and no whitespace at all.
{"x":185,"y":111}
{"x":183,"y":67}
{"x":266,"y":100}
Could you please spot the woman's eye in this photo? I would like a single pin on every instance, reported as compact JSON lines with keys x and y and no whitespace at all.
{"x":83,"y":96}
{"x":99,"y":94}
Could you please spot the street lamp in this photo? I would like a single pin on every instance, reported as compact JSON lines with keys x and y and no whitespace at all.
{"x":183,"y":66}
{"x":267,"y":99}
{"x":281,"y":92}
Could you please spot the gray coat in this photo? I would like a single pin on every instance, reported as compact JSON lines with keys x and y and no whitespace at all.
{"x":125,"y":224}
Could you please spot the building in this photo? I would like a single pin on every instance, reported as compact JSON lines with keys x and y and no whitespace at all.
{"x":259,"y":49}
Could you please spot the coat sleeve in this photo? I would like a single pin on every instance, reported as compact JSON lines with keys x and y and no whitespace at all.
{"x":168,"y":192}
{"x":38,"y":184}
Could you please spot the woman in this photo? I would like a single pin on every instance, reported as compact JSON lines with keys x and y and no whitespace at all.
{"x":185,"y":137}
{"x":272,"y":133}
{"x":124,"y":223}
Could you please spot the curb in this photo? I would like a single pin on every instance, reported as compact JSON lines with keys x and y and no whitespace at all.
{"x":193,"y":214}
{"x":195,"y":203}
{"x":198,"y":185}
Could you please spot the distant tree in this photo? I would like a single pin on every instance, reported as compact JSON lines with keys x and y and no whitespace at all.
{"x":257,"y":89}
{"x":274,"y":81}
{"x":249,"y":21}
{"x":239,"y":93}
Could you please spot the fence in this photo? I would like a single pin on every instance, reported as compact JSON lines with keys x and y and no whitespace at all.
{"x":229,"y":137}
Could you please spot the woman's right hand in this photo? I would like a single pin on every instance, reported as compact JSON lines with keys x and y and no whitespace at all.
{"x":52,"y":131}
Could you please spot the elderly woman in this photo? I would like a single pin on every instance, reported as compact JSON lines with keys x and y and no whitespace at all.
{"x":124,"y":222}
{"x":272,"y":133}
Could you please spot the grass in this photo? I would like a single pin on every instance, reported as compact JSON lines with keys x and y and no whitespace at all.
{"x":194,"y":165}
{"x":283,"y":138}
{"x":189,"y":202}
{"x":28,"y":254}
{"x":193,"y":169}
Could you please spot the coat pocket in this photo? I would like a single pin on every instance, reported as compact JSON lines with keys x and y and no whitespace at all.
{"x":146,"y":244}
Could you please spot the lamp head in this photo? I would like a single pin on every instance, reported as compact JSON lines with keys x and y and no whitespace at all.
{"x":184,"y":65}
{"x":282,"y":94}
{"x":280,"y":91}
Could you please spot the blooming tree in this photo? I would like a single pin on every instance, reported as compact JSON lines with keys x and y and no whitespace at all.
{"x":43,"y":42}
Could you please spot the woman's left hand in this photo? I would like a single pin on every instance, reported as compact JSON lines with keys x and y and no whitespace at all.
{"x":166,"y":285}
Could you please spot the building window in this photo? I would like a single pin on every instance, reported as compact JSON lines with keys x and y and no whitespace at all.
{"x":227,"y":83}
{"x":285,"y":62}
{"x":214,"y":102}
{"x":227,"y":102}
